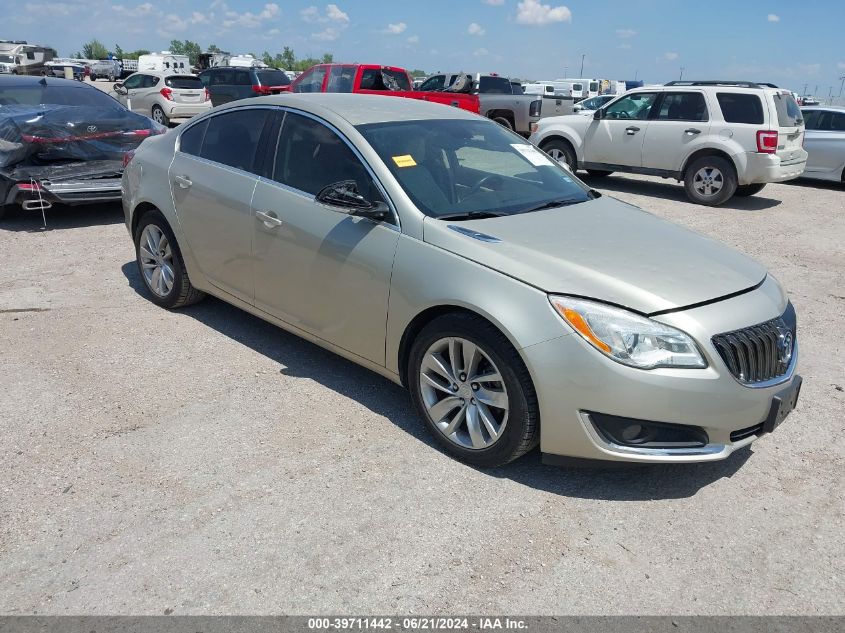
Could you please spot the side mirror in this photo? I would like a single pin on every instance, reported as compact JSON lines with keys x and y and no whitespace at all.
{"x":345,"y":196}
{"x":120,"y":89}
{"x":599,"y":114}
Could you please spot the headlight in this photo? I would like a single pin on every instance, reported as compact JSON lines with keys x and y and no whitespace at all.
{"x":629,"y":338}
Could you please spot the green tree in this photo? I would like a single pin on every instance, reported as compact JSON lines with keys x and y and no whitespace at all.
{"x":328,"y":58}
{"x":267,"y":58}
{"x":417,"y":73}
{"x":288,"y":58}
{"x":213,"y":48}
{"x":94,"y":50}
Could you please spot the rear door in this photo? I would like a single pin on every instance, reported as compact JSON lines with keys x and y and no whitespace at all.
{"x":617,"y":139}
{"x":679,"y":125}
{"x":789,"y":123}
{"x":212,"y":178}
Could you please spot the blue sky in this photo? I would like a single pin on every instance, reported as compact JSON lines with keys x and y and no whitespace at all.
{"x":787,"y":43}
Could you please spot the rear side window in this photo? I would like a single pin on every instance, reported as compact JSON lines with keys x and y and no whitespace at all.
{"x":789,"y":114}
{"x":183,"y":81}
{"x":242,"y":78}
{"x":384,"y":79}
{"x":811,"y":119}
{"x":222,"y":77}
{"x":740,"y":108}
{"x":272,"y":78}
{"x":232,"y":138}
{"x":494,"y":85}
{"x":311,"y":80}
{"x":191,"y":140}
{"x":683,"y":106}
{"x":831,"y":121}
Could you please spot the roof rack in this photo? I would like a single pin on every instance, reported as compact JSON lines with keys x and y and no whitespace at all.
{"x":715,"y":82}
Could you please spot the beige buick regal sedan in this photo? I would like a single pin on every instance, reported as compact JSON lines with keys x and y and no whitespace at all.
{"x":440,"y":250}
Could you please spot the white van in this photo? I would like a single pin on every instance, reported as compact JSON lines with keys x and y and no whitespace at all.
{"x":539,"y":88}
{"x":165,"y":61}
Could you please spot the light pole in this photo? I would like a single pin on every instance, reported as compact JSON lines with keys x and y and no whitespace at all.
{"x":841,"y":83}
{"x":804,"y":94}
{"x":582,"y":65}
{"x":636,"y":74}
{"x":565,"y":72}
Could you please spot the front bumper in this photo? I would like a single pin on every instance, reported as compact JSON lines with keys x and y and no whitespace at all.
{"x":573,"y":379}
{"x":762,"y":168}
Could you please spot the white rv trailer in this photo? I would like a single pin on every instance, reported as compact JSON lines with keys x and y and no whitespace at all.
{"x":165,"y":61}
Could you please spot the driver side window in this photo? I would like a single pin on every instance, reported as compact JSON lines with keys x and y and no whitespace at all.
{"x":434,"y":83}
{"x":133,"y":82}
{"x":635,"y":106}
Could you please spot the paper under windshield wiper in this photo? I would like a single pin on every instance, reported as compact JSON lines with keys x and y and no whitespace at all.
{"x":472,"y":215}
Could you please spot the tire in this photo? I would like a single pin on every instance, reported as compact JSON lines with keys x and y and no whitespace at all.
{"x":599,"y":173}
{"x":561,"y":151}
{"x":180,"y":292}
{"x":159,"y":116}
{"x":3,"y":208}
{"x":712,"y":173}
{"x":504,"y":122}
{"x":749,"y":190}
{"x":111,"y":79}
{"x":517,"y":425}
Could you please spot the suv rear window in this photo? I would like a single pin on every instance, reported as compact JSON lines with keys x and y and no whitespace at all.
{"x":494,"y":86}
{"x":183,"y":81}
{"x":789,"y":114}
{"x":272,"y":78}
{"x":739,"y":107}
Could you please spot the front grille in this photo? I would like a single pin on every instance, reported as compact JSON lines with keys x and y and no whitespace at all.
{"x":761,"y":352}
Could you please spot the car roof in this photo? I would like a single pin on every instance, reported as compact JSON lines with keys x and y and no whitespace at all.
{"x":358,"y":109}
{"x":162,"y":73}
{"x":33,"y":80}
{"x":823,"y":107}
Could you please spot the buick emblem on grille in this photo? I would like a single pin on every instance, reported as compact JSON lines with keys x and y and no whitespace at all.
{"x":785,"y":344}
{"x":92,"y":128}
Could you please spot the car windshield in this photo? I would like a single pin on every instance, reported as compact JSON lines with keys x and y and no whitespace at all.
{"x":459,"y":167}
{"x":57,"y":95}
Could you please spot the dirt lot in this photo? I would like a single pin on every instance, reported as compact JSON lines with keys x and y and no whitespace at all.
{"x":205,"y":462}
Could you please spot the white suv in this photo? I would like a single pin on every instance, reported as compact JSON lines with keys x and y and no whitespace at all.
{"x":720,"y":138}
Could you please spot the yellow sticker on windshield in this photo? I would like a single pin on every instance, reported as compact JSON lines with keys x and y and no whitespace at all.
{"x":405,"y":161}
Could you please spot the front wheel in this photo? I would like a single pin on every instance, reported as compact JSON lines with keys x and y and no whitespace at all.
{"x":562,"y":152}
{"x":159,"y":116}
{"x":749,"y":190}
{"x":710,"y":180}
{"x":474,"y":392}
{"x":160,"y":263}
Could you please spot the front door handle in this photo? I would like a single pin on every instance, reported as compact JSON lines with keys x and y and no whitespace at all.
{"x":630,"y":131}
{"x":692,"y":130}
{"x":268,"y":218}
{"x":183,"y":181}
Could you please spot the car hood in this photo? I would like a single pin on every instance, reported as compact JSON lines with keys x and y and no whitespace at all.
{"x":603,"y":249}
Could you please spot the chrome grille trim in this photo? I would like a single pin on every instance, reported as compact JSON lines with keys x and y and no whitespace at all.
{"x":762,"y":354}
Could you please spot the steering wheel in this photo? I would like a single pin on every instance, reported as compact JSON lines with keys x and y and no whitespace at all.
{"x":623,"y":114}
{"x":484,"y":181}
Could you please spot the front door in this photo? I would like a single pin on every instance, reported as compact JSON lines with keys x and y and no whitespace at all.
{"x":213,"y":179}
{"x":676,"y":130}
{"x":317,"y":268}
{"x":617,"y":138}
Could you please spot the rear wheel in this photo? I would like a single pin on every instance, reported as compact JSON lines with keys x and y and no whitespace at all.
{"x":160,"y":263}
{"x":562,"y":152}
{"x":159,"y":116}
{"x":710,"y":180}
{"x":504,"y":122}
{"x":473,"y":391}
{"x":598,"y":173}
{"x":749,"y":190}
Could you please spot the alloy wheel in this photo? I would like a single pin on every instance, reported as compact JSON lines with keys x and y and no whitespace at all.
{"x":464,"y":393}
{"x":158,"y":115}
{"x":558,"y":154}
{"x":708,"y":181}
{"x":156,"y":256}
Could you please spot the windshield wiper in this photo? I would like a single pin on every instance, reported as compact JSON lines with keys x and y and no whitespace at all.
{"x":472,"y":215}
{"x":551,"y":204}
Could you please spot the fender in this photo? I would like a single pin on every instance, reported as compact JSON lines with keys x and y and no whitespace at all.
{"x":565,"y":127}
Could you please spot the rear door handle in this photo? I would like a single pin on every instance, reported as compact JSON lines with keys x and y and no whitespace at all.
{"x":692,"y":130}
{"x":268,"y":218}
{"x":183,"y":181}
{"x":631,"y":130}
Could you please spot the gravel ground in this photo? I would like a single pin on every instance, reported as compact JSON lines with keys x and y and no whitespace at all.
{"x":203,"y":461}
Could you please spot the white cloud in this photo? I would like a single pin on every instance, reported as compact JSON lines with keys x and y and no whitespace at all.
{"x":494,"y":3}
{"x":414,"y":39}
{"x":625,"y":33}
{"x":328,"y":34}
{"x":251,"y":20}
{"x":333,"y":13}
{"x":396,"y":29}
{"x":668,"y":57}
{"x":475,"y":29}
{"x":136,"y":11}
{"x":773,"y":18}
{"x":841,"y":65}
{"x":624,"y":46}
{"x":481,"y":52}
{"x":533,"y":13}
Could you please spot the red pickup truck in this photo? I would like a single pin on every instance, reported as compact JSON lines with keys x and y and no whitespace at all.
{"x":377,"y":80}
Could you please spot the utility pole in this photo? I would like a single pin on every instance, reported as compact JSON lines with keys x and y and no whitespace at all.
{"x":841,"y":83}
{"x":636,"y":73}
{"x":565,"y":72}
{"x":681,"y":78}
{"x":804,"y":94}
{"x":582,"y":65}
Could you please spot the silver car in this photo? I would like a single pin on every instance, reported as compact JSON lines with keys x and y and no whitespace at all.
{"x":442,"y":251}
{"x":163,"y":96}
{"x":825,"y":143}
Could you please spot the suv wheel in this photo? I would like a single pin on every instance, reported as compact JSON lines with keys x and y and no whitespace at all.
{"x":749,"y":190}
{"x":473,"y":391}
{"x":710,"y":180}
{"x":160,"y":263}
{"x":159,"y":116}
{"x":562,"y":152}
